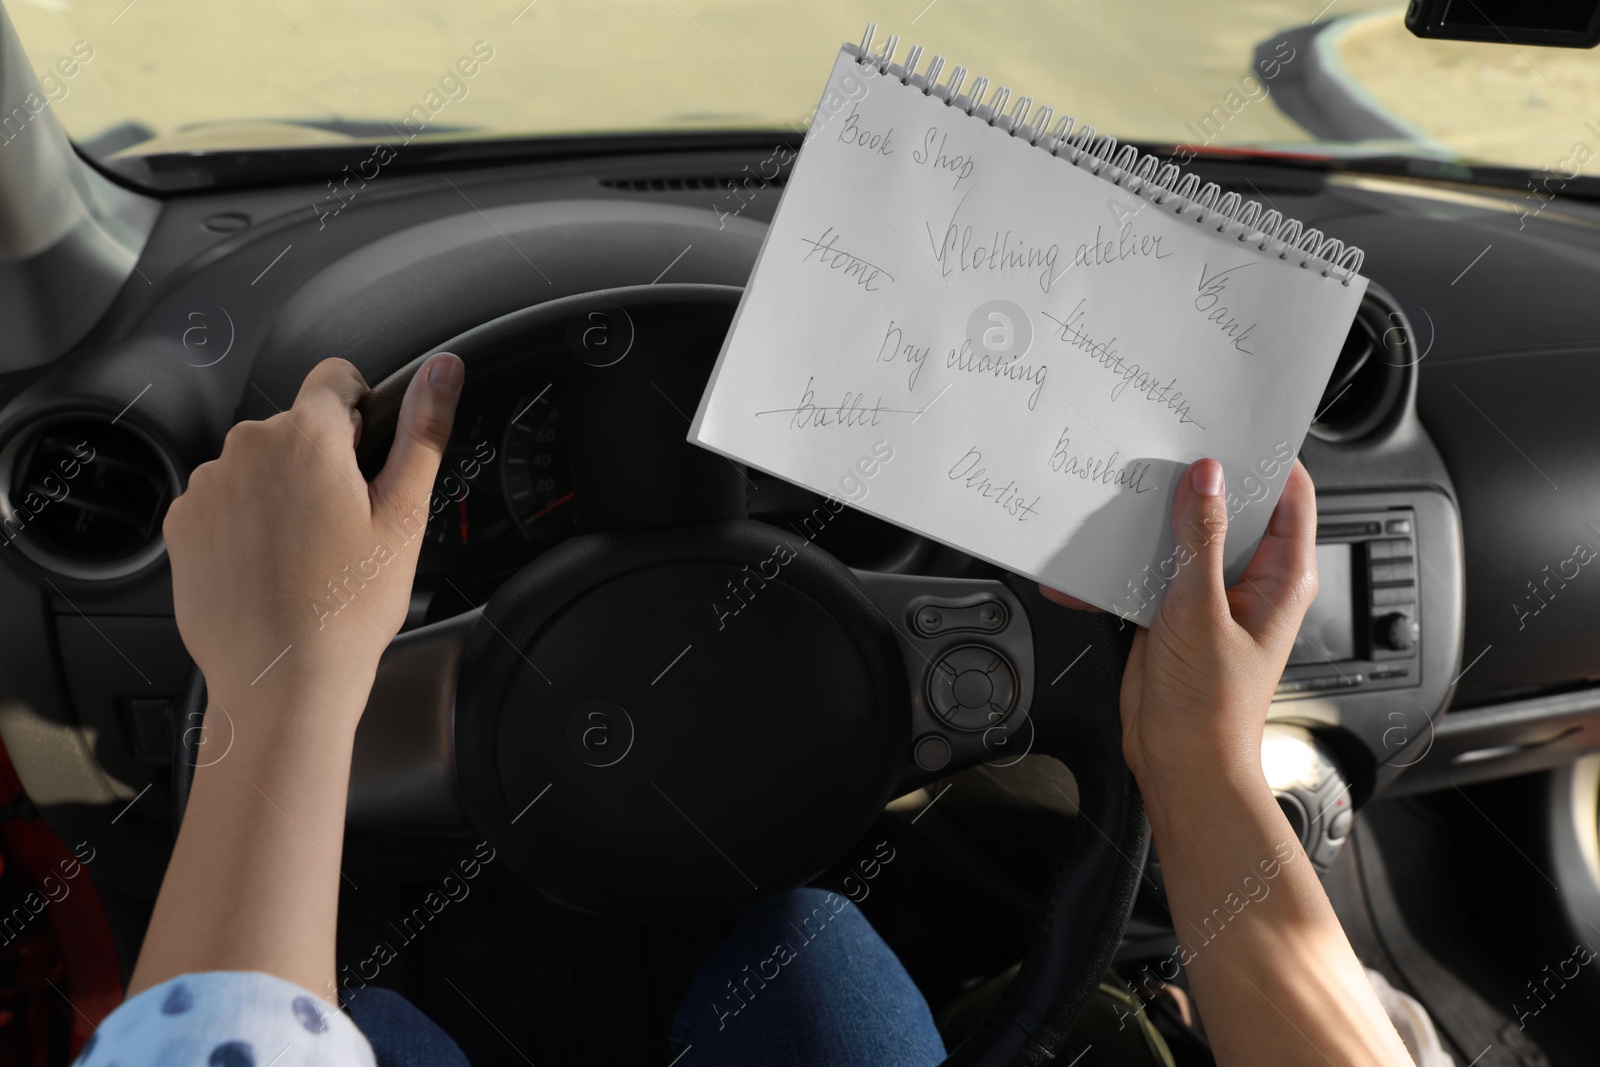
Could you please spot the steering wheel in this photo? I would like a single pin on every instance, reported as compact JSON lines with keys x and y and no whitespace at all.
{"x":680,"y":711}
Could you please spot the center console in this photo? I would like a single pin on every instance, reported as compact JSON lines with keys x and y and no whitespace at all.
{"x":1364,"y":630}
{"x":1379,"y":650}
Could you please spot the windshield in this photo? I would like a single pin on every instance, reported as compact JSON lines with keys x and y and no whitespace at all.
{"x":141,"y":77}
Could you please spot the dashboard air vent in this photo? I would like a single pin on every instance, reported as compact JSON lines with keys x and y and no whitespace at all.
{"x":1369,"y":378}
{"x":84,"y":497}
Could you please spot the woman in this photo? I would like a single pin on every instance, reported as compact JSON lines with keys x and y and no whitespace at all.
{"x":237,"y":967}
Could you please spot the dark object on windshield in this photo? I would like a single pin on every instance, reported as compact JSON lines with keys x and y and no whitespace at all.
{"x":1558,"y":24}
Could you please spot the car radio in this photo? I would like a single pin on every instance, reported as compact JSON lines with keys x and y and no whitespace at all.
{"x":1363,"y":631}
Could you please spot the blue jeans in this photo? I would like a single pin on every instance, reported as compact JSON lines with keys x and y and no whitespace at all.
{"x":804,"y":980}
{"x":400,"y":1035}
{"x":800,"y":980}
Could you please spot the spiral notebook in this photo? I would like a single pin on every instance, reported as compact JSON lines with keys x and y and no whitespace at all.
{"x":996,"y":328}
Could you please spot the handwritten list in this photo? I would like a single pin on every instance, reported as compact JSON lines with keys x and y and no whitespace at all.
{"x":1043,"y":351}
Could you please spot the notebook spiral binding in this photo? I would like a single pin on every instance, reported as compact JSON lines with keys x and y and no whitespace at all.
{"x":1147,"y":176}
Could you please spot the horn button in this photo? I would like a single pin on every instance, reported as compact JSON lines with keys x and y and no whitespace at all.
{"x":679,"y":722}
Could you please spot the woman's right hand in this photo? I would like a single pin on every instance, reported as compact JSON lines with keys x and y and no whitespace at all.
{"x":1283,"y":986}
{"x":1198,"y":682}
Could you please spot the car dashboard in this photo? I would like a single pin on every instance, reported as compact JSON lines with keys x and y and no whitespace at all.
{"x":1452,"y":456}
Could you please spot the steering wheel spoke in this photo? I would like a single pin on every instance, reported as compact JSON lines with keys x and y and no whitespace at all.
{"x":967,"y":646}
{"x":997,"y":672}
{"x":403,"y":773}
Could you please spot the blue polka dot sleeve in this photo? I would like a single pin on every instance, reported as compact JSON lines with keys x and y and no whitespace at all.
{"x":227,"y":1019}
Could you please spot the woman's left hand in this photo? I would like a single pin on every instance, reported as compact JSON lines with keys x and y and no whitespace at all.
{"x":290,"y":573}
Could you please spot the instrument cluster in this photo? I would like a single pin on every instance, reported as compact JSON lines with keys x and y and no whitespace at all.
{"x":504,"y":489}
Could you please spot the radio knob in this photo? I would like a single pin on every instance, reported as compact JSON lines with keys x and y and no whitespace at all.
{"x":1397,"y":632}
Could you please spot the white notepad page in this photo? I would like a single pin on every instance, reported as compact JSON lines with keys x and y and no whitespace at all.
{"x":957,"y":331}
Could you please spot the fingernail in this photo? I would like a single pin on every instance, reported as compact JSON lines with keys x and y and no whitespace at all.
{"x":1207,"y":478}
{"x":445,"y":374}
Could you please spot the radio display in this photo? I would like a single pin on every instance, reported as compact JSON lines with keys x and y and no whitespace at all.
{"x":1329,"y":632}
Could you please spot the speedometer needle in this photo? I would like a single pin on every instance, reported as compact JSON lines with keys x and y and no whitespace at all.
{"x":548,"y":508}
{"x":463,"y":504}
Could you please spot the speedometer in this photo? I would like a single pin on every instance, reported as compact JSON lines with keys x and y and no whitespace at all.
{"x":536,"y":478}
{"x":463,"y":511}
